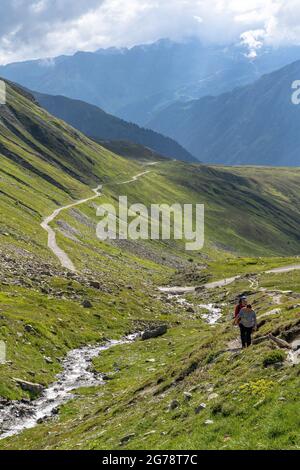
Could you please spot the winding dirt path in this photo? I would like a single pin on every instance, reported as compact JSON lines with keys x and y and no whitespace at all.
{"x":62,"y":256}
{"x":225,"y":282}
{"x":210,"y":285}
{"x":52,"y":243}
{"x":136,"y":177}
{"x":284,"y":269}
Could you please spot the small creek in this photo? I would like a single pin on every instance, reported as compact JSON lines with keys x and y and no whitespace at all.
{"x":213,"y":314}
{"x":77,"y":372}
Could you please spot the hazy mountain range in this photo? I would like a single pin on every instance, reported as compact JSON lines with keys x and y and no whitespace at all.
{"x":137,"y":83}
{"x":102,"y":126}
{"x":256,"y":124}
{"x":214,"y":101}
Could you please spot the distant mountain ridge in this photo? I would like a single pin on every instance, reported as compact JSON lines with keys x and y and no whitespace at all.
{"x":137,"y":83}
{"x":101,"y":126}
{"x":257,"y":124}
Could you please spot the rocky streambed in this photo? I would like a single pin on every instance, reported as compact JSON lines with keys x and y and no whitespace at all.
{"x":214,"y":312}
{"x":77,"y":372}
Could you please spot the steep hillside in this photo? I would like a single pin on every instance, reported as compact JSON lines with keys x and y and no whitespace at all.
{"x":256,"y":125}
{"x":44,"y":163}
{"x":99,"y":125}
{"x":132,"y":151}
{"x":137,"y":83}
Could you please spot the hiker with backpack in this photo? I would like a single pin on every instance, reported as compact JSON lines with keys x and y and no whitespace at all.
{"x":246,"y":319}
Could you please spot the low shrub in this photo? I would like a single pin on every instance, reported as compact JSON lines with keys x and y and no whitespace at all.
{"x":274,"y":357}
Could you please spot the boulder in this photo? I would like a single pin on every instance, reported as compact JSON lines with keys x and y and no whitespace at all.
{"x":154,"y":332}
{"x":31,"y":387}
{"x":87,"y":304}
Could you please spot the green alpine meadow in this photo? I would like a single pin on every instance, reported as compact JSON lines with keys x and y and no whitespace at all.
{"x":190,"y":388}
{"x":136,"y":341}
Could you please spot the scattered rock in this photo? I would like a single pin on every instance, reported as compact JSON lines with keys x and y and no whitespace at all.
{"x":106,"y":377}
{"x":41,"y":420}
{"x":87,"y":304}
{"x":127,"y":438}
{"x":187,"y":396}
{"x":213,"y":396}
{"x":208,"y":422}
{"x":95,"y":284}
{"x":149,"y":433}
{"x":48,"y":360}
{"x":200,"y":408}
{"x":173,"y":405}
{"x":29,"y":328}
{"x":190,"y":310}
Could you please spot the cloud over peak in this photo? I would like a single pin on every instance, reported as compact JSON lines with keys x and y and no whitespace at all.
{"x":43,"y":28}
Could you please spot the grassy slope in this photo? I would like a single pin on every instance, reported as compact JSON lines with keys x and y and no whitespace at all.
{"x":35,"y":291}
{"x":254,"y":407}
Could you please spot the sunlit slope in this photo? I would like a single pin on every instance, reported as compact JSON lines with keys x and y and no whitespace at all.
{"x":253,"y":210}
{"x":44,"y":164}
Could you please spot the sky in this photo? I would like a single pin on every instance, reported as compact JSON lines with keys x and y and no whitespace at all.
{"x":47,"y":28}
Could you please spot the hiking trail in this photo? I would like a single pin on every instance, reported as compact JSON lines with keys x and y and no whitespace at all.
{"x":62,"y":256}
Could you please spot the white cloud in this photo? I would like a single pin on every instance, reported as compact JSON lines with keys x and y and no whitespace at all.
{"x":42,"y":28}
{"x":253,"y":40}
